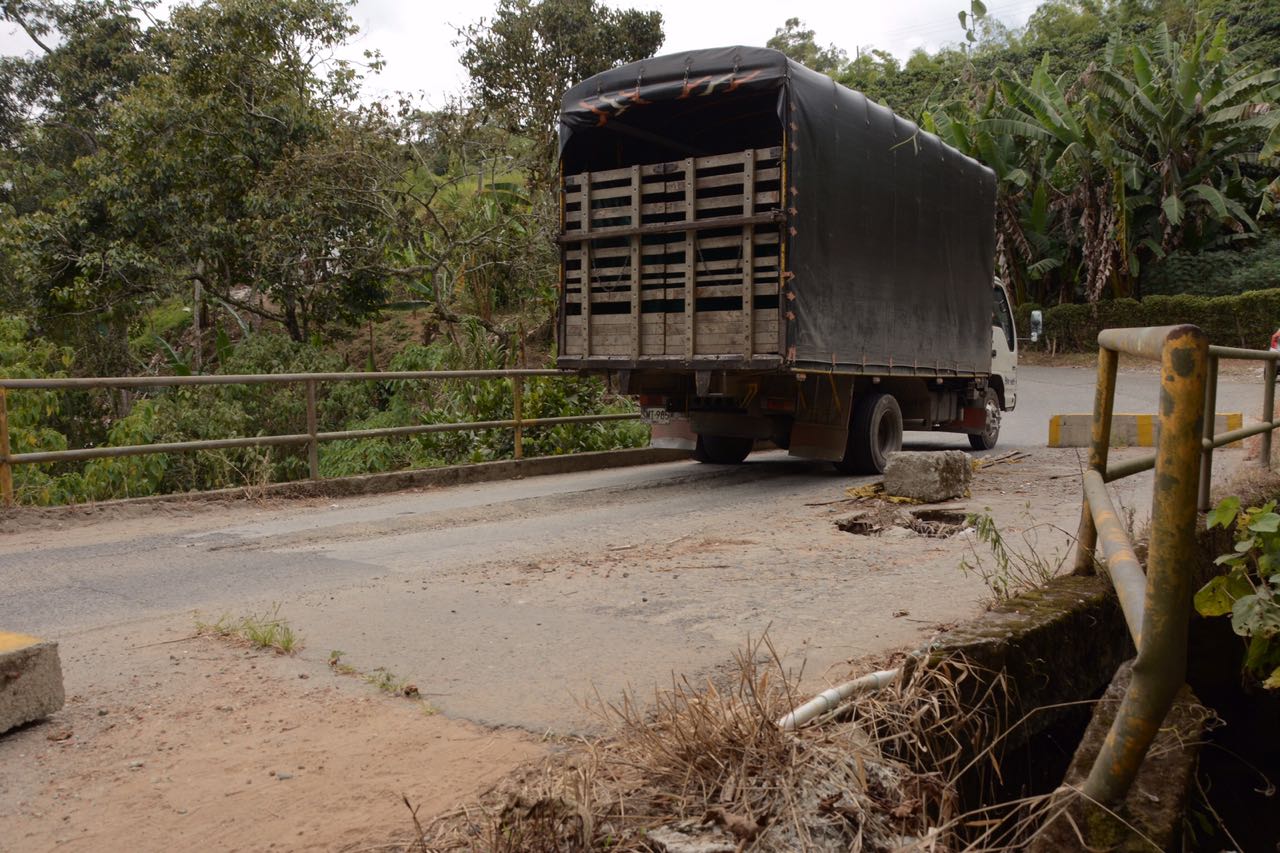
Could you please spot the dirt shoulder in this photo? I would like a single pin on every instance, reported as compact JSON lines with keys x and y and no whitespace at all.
{"x":202,"y":744}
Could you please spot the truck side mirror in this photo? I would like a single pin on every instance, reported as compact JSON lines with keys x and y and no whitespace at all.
{"x":1037,"y":325}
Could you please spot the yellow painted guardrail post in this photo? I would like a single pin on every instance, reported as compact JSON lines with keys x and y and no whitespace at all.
{"x":1268,"y":412}
{"x":1104,"y":400}
{"x":1206,"y":449}
{"x":1160,"y":667}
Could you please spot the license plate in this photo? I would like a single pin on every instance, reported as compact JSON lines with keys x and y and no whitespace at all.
{"x":655,"y":415}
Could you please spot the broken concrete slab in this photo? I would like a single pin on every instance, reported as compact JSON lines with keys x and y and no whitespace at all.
{"x":30,"y":679}
{"x":928,"y":476}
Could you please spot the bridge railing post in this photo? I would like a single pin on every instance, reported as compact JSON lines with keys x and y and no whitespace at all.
{"x":1207,"y":430}
{"x":6,"y":467}
{"x":517,"y":406}
{"x":1104,"y":401}
{"x":1268,"y":412}
{"x":313,"y":443}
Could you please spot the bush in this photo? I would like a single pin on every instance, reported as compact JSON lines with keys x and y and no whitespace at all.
{"x":1225,"y":272}
{"x":193,"y":413}
{"x":1246,"y":320}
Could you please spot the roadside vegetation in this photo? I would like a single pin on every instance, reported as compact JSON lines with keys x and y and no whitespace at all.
{"x":706,"y":768}
{"x":1011,"y":568}
{"x":319,"y":228}
{"x":1248,"y":592}
{"x":260,"y":630}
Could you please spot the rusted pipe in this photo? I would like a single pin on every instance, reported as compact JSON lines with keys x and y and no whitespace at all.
{"x":517,"y":407}
{"x":313,"y":445}
{"x":1222,"y":439}
{"x":1240,"y":354}
{"x":1104,"y":399}
{"x":301,"y":438}
{"x":1207,"y":427}
{"x":168,"y":447}
{"x":1160,"y":667}
{"x":6,"y":465}
{"x":1145,"y":342}
{"x":1127,"y":577}
{"x":1129,"y":467}
{"x":1268,"y":412}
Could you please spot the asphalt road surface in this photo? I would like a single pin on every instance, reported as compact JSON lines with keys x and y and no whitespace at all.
{"x":508,"y":602}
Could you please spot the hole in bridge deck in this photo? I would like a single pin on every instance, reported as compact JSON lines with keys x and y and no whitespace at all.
{"x":930,"y":523}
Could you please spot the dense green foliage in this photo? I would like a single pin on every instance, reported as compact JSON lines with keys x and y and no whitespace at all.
{"x":1244,"y":320}
{"x":1249,"y":591}
{"x":1120,"y":133}
{"x":221,"y":411}
{"x":178,"y":192}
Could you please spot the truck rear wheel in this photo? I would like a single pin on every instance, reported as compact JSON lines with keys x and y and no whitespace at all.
{"x":875,"y":431}
{"x":722,"y":449}
{"x":990,"y":434}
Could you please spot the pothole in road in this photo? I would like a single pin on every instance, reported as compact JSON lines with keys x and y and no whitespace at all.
{"x":930,"y":523}
{"x":937,"y":523}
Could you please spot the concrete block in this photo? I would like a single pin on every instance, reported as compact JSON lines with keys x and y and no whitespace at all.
{"x":1127,"y":430}
{"x":928,"y":477}
{"x":30,"y":679}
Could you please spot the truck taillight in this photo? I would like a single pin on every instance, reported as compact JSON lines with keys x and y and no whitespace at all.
{"x":653,"y":400}
{"x":779,"y":404}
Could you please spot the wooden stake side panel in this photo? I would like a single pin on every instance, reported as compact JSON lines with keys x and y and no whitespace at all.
{"x":637,"y":306}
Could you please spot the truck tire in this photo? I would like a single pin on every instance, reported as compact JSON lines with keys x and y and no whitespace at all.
{"x":875,"y":431}
{"x":986,"y":440}
{"x":722,"y":449}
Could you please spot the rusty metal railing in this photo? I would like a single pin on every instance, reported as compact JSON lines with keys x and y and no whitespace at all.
{"x":311,"y":438}
{"x":1157,"y":604}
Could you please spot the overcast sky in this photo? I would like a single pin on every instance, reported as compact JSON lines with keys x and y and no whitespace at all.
{"x":416,"y":37}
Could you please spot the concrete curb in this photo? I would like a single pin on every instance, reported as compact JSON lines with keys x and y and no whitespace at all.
{"x":30,"y":679}
{"x":1056,"y":645}
{"x":1127,"y":430}
{"x":395,"y":481}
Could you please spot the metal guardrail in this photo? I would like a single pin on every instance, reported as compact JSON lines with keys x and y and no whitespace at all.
{"x":1157,"y":605}
{"x":311,"y":438}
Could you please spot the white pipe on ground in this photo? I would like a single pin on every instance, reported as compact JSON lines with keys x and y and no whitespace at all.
{"x":829,"y":699}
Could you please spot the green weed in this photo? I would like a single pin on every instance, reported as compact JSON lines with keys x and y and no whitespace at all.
{"x":1007,"y":569}
{"x":265,"y":631}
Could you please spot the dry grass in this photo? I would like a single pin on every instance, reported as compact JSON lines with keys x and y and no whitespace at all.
{"x":707,"y":769}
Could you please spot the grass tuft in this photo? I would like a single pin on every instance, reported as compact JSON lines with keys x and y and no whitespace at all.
{"x":265,"y":631}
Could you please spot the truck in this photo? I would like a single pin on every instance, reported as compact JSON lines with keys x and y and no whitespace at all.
{"x":760,"y":254}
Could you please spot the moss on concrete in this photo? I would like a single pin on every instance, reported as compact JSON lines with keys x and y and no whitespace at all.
{"x":1153,"y":811}
{"x":1057,"y":644}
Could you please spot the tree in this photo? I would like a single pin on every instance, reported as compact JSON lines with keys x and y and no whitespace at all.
{"x":187,"y":162}
{"x":524,"y":59}
{"x":55,"y":108}
{"x":1159,"y":146}
{"x":802,"y":45}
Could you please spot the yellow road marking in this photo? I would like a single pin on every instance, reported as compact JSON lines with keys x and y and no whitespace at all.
{"x":10,"y":642}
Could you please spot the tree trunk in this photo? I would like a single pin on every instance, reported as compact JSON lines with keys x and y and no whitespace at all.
{"x":291,"y":319}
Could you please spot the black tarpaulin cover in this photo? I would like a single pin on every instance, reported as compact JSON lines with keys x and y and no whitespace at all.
{"x":890,"y":232}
